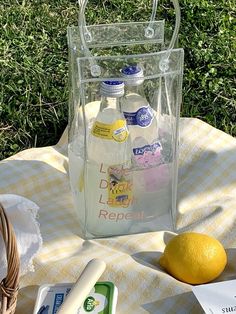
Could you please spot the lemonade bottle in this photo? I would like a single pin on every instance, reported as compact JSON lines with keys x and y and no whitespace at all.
{"x":108,"y":176}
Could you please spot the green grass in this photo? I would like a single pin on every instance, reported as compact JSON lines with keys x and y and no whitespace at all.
{"x":34,"y":63}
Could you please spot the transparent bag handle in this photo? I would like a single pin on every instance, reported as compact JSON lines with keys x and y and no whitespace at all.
{"x":84,"y":34}
{"x":149,"y":31}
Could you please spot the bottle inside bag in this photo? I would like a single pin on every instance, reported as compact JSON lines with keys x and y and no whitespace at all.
{"x":141,"y":119}
{"x":150,"y":174}
{"x":109,"y":183}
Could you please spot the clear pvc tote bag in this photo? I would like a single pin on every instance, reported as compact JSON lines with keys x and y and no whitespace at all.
{"x":123,"y":126}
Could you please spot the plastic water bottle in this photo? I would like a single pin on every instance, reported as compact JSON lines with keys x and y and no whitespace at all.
{"x":108,"y":176}
{"x":141,"y":119}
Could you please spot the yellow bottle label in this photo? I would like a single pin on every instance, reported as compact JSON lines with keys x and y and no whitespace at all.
{"x":116,"y":131}
{"x":120,"y":187}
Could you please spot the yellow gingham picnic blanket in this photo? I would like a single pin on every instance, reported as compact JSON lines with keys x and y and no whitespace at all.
{"x":206,"y":203}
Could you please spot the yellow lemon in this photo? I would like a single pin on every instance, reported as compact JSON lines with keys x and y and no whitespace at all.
{"x":194,"y":258}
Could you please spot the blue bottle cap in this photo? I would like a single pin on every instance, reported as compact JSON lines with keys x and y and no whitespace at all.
{"x":132,"y":70}
{"x":112,"y":88}
{"x":134,"y":73}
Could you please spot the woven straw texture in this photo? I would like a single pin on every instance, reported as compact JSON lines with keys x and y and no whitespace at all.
{"x":9,"y":285}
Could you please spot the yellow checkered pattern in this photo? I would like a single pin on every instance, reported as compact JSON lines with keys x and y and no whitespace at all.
{"x":206,"y":203}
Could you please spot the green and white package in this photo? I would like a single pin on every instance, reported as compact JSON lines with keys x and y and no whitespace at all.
{"x":102,"y":299}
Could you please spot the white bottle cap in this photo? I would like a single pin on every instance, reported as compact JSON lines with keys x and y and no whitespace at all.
{"x":134,"y":73}
{"x":112,"y":89}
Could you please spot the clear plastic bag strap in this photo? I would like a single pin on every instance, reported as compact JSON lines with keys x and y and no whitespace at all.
{"x":85,"y":35}
{"x":149,"y":31}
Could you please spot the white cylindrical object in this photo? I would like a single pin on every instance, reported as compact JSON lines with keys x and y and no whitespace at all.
{"x":82,"y":287}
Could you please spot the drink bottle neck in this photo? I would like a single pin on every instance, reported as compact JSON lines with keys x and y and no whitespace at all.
{"x":137,"y":89}
{"x":110,"y":102}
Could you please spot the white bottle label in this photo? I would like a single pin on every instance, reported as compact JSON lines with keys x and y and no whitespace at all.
{"x":148,"y":155}
{"x":142,"y":117}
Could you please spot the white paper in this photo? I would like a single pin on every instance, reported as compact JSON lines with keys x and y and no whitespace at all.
{"x":217,"y":298}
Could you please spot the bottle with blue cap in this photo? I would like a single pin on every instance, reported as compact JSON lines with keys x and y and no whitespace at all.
{"x":109,"y":179}
{"x":141,"y":119}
